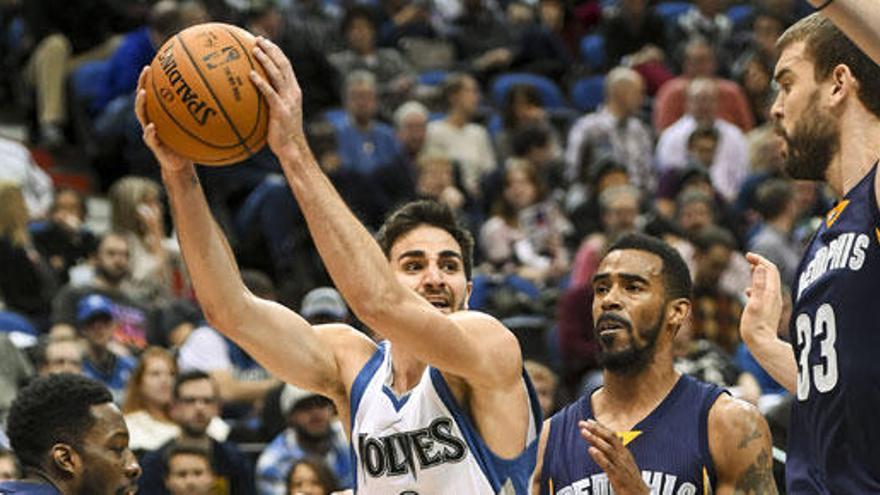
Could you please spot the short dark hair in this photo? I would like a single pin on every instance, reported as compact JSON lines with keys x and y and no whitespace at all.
{"x":452,"y":84}
{"x":356,"y":12}
{"x":703,"y":132}
{"x":827,"y":47}
{"x":529,"y":137}
{"x":320,"y":467}
{"x":712,"y":236}
{"x":191,"y":376}
{"x":50,"y":410}
{"x":772,"y":197}
{"x":176,"y":449}
{"x":432,"y":213}
{"x":527,"y":92}
{"x":676,"y":275}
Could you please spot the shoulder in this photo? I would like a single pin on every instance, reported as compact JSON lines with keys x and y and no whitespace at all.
{"x":740,"y":444}
{"x":351,"y":348}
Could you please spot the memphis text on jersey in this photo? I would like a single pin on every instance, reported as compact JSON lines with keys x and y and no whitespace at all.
{"x":847,"y":251}
{"x":408,"y":452}
{"x":658,"y":483}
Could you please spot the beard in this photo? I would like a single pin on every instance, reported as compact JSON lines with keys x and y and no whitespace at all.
{"x":812,"y":144}
{"x":113,"y":277}
{"x":635,"y":358}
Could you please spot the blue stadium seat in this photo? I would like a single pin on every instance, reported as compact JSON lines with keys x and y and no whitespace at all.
{"x":587,"y":93}
{"x":87,"y":80}
{"x":551,"y":95}
{"x":433,"y":77}
{"x":670,"y":11}
{"x":740,"y":15}
{"x":593,"y":51}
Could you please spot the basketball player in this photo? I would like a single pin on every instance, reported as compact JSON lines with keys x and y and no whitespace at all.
{"x":828,"y":112}
{"x":650,"y":428}
{"x":442,"y":406}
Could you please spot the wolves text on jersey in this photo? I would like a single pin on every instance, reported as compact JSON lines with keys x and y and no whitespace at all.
{"x":399,"y":453}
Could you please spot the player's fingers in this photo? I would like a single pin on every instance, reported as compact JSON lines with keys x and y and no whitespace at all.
{"x":275,"y":75}
{"x":142,"y":78}
{"x":598,"y":442}
{"x":600,"y":430}
{"x":140,"y":107}
{"x":267,"y":90}
{"x":275,"y":53}
{"x":600,"y":459}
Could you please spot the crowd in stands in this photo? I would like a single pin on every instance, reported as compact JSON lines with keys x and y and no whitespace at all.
{"x":551,"y":126}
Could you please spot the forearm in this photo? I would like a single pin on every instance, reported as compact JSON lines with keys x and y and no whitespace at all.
{"x":777,"y":359}
{"x":859,"y":20}
{"x":235,"y":390}
{"x":209,"y":260}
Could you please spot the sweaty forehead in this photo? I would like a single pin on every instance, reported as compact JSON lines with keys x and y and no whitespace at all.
{"x":631,"y":261}
{"x":108,"y":422}
{"x":425,"y":238}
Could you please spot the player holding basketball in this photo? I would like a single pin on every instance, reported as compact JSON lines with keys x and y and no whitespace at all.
{"x":828,"y":112}
{"x":650,"y":429}
{"x":442,"y":406}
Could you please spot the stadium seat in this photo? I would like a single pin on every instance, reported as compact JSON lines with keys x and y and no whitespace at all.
{"x":551,"y":95}
{"x":740,"y":15}
{"x":433,"y":77}
{"x":587,"y":93}
{"x":670,"y":11}
{"x":593,"y":51}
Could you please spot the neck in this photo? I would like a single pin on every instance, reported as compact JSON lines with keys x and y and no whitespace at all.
{"x":103,"y":283}
{"x":632,"y":397}
{"x":202,"y":441}
{"x":362,"y":124}
{"x":615,"y":110}
{"x":157,"y":412}
{"x":406,"y":370}
{"x":859,"y":150}
{"x":457,"y":118}
{"x":783,"y":223}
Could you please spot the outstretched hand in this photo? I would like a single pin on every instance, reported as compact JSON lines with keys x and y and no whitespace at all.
{"x":608,"y":451}
{"x":760,"y":317}
{"x":283,"y":94}
{"x":168,"y":159}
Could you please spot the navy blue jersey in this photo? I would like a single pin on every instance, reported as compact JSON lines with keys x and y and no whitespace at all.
{"x":834,"y":439}
{"x":670,"y":446}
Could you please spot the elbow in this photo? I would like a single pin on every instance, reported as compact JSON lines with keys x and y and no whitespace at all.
{"x":379,"y":307}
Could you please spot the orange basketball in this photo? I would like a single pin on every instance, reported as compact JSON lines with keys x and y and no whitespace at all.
{"x":201,"y":99}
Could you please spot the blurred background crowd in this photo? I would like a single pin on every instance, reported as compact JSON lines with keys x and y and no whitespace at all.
{"x":551,"y":126}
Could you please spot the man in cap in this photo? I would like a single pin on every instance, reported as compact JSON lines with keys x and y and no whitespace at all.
{"x":313,"y":429}
{"x":324,"y":305}
{"x":96,"y":322}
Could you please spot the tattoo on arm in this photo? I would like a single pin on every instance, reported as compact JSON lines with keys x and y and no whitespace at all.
{"x":757,"y":479}
{"x":754,"y":435}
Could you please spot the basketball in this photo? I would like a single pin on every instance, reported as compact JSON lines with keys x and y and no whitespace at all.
{"x":201,"y":99}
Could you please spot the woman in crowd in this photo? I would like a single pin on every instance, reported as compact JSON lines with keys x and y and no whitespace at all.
{"x":311,"y":476}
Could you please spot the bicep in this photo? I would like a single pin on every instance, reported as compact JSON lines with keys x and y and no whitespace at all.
{"x":741,"y":447}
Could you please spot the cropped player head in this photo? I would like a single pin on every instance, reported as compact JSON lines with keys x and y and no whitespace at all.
{"x":641,"y":297}
{"x":820,"y":73}
{"x":430,"y":253}
{"x":65,"y":427}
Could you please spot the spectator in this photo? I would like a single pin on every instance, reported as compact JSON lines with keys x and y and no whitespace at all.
{"x":730,"y":166}
{"x":716,"y":312}
{"x":522,"y":107}
{"x":15,"y":370}
{"x":365,"y":144}
{"x":464,"y":141}
{"x":60,"y":356}
{"x":312,"y":430}
{"x":9,"y":468}
{"x":596,"y":179}
{"x":238,"y":377}
{"x":147,"y":405}
{"x":62,"y":239}
{"x":394,"y":76}
{"x":542,"y":47}
{"x":96,"y":324}
{"x":27,"y":282}
{"x":483,"y":41}
{"x":700,"y":62}
{"x":525,"y":234}
{"x":195,"y":403}
{"x":310,"y":476}
{"x":634,"y":30}
{"x":545,"y":382}
{"x":778,"y":209}
{"x":134,"y":317}
{"x":136,"y":212}
{"x":188,"y":472}
{"x":398,"y":180}
{"x":705,"y":20}
{"x":70,"y":439}
{"x":436,"y":181}
{"x":615,"y":131}
{"x":19,"y":167}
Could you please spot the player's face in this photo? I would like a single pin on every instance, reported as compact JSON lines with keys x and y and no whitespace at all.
{"x":810,"y":131}
{"x":189,"y":474}
{"x":428,"y":260}
{"x":109,"y":467}
{"x":628,"y":305}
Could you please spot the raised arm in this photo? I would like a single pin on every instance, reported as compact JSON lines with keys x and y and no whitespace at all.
{"x":760,"y":321}
{"x":279,"y":339}
{"x":859,"y":20}
{"x":473,"y":346}
{"x":741,"y":448}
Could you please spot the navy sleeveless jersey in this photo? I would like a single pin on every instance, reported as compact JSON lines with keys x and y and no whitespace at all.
{"x":670,"y":446}
{"x":834,"y":439}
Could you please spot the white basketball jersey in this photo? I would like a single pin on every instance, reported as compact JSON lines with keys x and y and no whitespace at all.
{"x":423,"y":443}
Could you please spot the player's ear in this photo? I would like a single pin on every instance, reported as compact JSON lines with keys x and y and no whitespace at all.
{"x":65,"y":459}
{"x":469,"y":288}
{"x":842,"y":84}
{"x":677,"y":311}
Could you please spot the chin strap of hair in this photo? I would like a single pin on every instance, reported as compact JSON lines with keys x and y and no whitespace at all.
{"x":824,"y":4}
